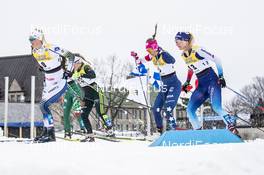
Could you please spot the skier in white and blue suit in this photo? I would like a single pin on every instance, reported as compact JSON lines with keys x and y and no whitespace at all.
{"x":50,"y":59}
{"x":171,"y":86}
{"x":209,"y":82}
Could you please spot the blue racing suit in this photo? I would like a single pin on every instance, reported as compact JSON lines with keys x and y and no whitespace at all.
{"x":170,"y":89}
{"x":198,"y":61}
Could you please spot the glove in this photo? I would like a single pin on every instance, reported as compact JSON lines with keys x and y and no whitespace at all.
{"x":222,"y":82}
{"x":67,"y":74}
{"x":186,"y":87}
{"x":134,"y":54}
{"x":148,"y":58}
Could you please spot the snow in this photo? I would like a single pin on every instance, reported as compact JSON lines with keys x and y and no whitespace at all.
{"x":130,"y":158}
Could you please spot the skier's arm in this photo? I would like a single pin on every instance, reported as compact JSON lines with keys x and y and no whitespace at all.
{"x":137,"y":59}
{"x":89,"y":73}
{"x":207,"y":55}
{"x":67,"y":55}
{"x":89,"y":76}
{"x":186,"y":86}
{"x":70,"y":60}
{"x":189,"y":75}
{"x":168,"y":58}
{"x":211,"y":57}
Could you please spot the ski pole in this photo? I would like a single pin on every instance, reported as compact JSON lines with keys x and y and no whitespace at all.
{"x":243,"y":97}
{"x":249,"y":123}
{"x":144,"y":94}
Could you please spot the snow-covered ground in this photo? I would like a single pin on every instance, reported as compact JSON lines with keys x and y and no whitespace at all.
{"x":130,"y":158}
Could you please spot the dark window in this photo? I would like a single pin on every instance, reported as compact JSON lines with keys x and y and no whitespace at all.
{"x":13,"y":132}
{"x":26,"y":132}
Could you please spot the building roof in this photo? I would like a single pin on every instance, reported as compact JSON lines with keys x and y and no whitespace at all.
{"x":21,"y":68}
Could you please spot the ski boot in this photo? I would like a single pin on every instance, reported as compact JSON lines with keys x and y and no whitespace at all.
{"x":108,"y":126}
{"x":80,"y":131}
{"x":233,"y":129}
{"x":109,"y":132}
{"x":83,"y":131}
{"x":43,"y":133}
{"x":49,"y":137}
{"x":231,"y":120}
{"x":160,"y":130}
{"x":88,"y":138}
{"x":67,"y":134}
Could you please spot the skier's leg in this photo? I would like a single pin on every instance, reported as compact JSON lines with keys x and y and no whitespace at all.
{"x":216,"y":101}
{"x":196,"y":100}
{"x":44,"y":106}
{"x":157,"y":107}
{"x":77,"y":94}
{"x":85,"y":118}
{"x":85,"y":115}
{"x":81,"y":124}
{"x":48,"y":119}
{"x":67,"y":105}
{"x":100,"y":109}
{"x":170,"y":103}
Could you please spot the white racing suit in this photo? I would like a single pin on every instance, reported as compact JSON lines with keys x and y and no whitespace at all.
{"x":50,"y":59}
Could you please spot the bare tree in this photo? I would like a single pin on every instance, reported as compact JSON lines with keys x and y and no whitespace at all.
{"x":253,"y":92}
{"x":111,"y":73}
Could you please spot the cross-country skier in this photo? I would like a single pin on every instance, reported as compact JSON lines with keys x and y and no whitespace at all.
{"x":93,"y":95}
{"x":209,"y":83}
{"x":72,"y":102}
{"x":171,"y":86}
{"x":50,"y":59}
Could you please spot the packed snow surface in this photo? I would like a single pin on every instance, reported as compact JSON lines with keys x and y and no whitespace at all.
{"x":130,"y":158}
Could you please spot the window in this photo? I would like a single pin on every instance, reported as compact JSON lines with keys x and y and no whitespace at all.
{"x":120,"y":114}
{"x":18,"y":98}
{"x":12,"y":98}
{"x":127,"y":115}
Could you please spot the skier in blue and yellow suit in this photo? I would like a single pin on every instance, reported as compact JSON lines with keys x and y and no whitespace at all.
{"x":209,"y":83}
{"x":171,"y":86}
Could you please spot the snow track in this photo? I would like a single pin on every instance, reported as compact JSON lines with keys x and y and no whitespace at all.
{"x":129,"y":158}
